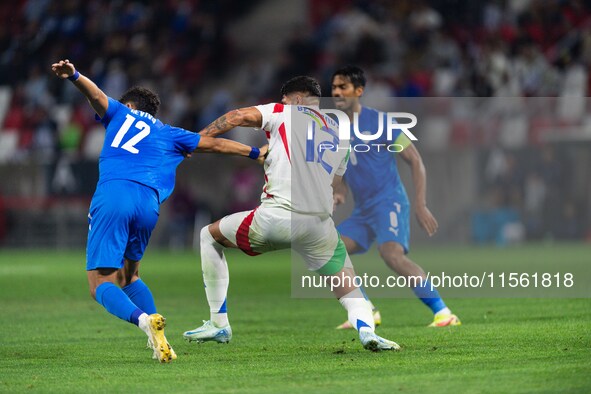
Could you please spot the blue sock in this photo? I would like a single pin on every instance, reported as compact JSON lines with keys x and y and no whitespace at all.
{"x":139,"y":293}
{"x":431,"y":298}
{"x":117,"y":303}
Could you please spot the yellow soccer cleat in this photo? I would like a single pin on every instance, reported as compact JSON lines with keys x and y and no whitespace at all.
{"x":154,"y":356}
{"x":162,"y":350}
{"x":445,"y":320}
{"x":377,"y":320}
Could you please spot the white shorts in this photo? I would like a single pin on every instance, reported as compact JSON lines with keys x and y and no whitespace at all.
{"x":268,"y":228}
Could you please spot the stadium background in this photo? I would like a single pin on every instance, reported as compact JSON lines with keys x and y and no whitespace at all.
{"x":492,"y":181}
{"x":205,"y":58}
{"x":506,"y":182}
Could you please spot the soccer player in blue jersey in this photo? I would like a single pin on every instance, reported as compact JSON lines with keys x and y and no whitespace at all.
{"x":137,"y":169}
{"x":382,"y":208}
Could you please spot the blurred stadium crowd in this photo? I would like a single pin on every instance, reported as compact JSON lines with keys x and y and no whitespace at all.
{"x":409,"y":48}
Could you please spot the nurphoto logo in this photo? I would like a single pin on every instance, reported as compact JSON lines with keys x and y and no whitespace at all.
{"x":402,"y":121}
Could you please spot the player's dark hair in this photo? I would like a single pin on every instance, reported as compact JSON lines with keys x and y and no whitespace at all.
{"x":303,"y":84}
{"x":355,"y":75}
{"x":144,"y":99}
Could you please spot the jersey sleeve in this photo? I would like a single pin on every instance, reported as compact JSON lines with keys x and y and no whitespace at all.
{"x":184,"y":140}
{"x":403,"y":141}
{"x":343,"y":166}
{"x":398,"y":137}
{"x":268,"y":112}
{"x":113,"y":107}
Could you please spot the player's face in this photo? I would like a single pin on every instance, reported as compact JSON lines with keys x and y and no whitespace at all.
{"x":344,"y":92}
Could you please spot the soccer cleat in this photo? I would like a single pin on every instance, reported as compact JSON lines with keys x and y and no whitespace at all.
{"x":209,"y":332}
{"x":377,"y":320}
{"x":162,"y":349}
{"x":445,"y":321}
{"x":375,"y":343}
{"x":150,"y":346}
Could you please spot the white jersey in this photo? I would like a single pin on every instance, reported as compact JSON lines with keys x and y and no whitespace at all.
{"x":305,"y":154}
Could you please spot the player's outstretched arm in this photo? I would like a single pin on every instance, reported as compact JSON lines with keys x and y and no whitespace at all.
{"x":242,"y":117}
{"x":96,"y":97}
{"x":229,"y":147}
{"x":412,"y":157}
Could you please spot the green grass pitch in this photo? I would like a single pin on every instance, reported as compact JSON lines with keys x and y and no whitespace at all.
{"x":56,"y":339}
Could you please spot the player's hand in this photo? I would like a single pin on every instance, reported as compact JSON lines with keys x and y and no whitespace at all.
{"x":63,"y":69}
{"x":337,"y":199}
{"x":187,"y":155}
{"x":264,"y":153}
{"x":426,"y":220}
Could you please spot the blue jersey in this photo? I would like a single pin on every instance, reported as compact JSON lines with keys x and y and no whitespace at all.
{"x":372,"y":173}
{"x":142,"y":149}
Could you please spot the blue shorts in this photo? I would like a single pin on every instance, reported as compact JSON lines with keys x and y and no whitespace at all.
{"x":121,"y":219}
{"x":384,"y":221}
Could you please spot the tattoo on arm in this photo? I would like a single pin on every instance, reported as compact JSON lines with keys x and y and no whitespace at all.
{"x":245,"y":117}
{"x":216,"y":127}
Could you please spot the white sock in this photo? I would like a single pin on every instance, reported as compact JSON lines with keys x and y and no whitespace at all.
{"x":358,"y":310}
{"x":143,"y":323}
{"x":372,"y":306}
{"x":215,"y":276}
{"x":445,"y":311}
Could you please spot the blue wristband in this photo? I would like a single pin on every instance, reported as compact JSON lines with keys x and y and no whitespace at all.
{"x":254,"y":153}
{"x":75,"y":76}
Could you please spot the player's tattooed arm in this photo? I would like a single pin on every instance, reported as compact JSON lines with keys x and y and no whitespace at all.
{"x":218,"y":126}
{"x":243,"y":117}
{"x":229,"y":147}
{"x":97,"y":99}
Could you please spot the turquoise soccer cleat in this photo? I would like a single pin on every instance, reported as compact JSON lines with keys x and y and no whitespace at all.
{"x":209,"y":332}
{"x":371,"y":341}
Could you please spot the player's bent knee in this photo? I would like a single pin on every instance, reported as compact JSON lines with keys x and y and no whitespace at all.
{"x":123,"y":280}
{"x":129,"y":273}
{"x":213,"y":231}
{"x":350,"y":245}
{"x":393,"y":256}
{"x":105,"y":272}
{"x":205,"y":233}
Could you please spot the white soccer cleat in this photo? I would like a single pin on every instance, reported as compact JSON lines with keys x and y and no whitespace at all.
{"x":209,"y":332}
{"x":375,"y":343}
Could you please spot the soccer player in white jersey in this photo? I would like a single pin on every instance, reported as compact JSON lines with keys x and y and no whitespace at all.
{"x":283,"y":219}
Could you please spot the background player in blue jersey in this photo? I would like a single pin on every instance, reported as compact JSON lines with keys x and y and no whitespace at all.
{"x":382,"y":209}
{"x":137,"y":169}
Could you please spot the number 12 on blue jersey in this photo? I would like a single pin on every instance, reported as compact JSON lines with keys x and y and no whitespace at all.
{"x":144,"y":130}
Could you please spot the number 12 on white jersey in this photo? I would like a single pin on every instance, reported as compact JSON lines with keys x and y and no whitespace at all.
{"x":129,"y":146}
{"x":312,"y":149}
